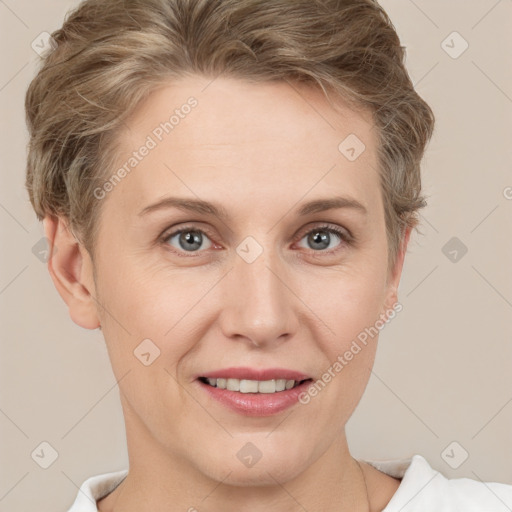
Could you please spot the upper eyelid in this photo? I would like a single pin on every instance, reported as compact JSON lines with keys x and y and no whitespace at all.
{"x":192,"y":227}
{"x":175,"y":230}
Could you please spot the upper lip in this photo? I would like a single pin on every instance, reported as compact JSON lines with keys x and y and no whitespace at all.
{"x":255,"y":374}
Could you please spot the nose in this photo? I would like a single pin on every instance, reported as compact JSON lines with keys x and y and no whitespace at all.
{"x":258,"y":302}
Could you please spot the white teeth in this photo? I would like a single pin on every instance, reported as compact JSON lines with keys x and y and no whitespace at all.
{"x":233,"y":385}
{"x":253,"y":386}
{"x":267,"y":386}
{"x":248,"y":386}
{"x":280,"y":384}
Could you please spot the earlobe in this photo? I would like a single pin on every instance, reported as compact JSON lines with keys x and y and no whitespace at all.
{"x":70,"y":268}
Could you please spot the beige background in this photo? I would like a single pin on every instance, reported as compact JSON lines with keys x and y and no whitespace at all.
{"x":443,"y":369}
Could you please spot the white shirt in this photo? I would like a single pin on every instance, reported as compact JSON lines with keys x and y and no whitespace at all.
{"x":422,"y":489}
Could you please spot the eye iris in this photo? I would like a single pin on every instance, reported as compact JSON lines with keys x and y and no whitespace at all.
{"x":321,"y":237}
{"x":192,"y":239}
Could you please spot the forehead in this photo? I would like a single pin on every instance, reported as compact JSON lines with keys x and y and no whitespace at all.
{"x":245,"y":140}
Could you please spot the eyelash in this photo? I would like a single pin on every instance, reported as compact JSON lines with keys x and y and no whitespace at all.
{"x":345,"y":237}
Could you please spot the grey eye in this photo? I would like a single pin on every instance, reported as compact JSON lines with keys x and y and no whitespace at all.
{"x":320,"y":239}
{"x":189,"y":240}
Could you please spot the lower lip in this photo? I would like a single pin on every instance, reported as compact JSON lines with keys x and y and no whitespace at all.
{"x":256,"y":404}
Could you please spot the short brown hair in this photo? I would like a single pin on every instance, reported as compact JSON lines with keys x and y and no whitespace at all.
{"x":111,"y":54}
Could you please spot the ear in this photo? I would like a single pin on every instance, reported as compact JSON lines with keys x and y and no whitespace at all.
{"x":395,"y":273}
{"x":70,"y":267}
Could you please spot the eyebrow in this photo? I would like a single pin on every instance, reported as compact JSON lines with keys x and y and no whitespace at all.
{"x":205,"y":207}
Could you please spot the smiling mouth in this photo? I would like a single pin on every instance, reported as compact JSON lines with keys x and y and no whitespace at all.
{"x":253,"y":386}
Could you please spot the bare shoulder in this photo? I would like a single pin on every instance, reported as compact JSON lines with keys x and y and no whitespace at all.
{"x":105,"y":504}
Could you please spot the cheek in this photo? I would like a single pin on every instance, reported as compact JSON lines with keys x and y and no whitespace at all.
{"x":145,"y":294}
{"x":350,"y":305}
{"x":347,"y":301}
{"x":144,"y":332}
{"x":146,"y":301}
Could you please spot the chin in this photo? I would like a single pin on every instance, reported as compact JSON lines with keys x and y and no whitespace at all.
{"x":260,"y":476}
{"x":247,"y":467}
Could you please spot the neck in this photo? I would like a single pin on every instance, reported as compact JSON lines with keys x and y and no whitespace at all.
{"x":159,"y":480}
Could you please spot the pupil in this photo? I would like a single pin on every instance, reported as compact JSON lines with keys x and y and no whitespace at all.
{"x":322,"y":239}
{"x":192,"y":238}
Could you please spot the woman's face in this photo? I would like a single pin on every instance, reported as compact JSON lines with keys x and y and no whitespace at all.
{"x":263,"y":283}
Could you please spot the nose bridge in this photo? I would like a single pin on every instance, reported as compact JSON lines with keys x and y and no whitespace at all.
{"x":259,"y":305}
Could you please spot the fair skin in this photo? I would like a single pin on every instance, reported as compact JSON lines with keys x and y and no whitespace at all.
{"x":260,"y":151}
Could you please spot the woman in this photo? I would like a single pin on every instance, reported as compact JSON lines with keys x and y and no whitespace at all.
{"x":229,"y":188}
